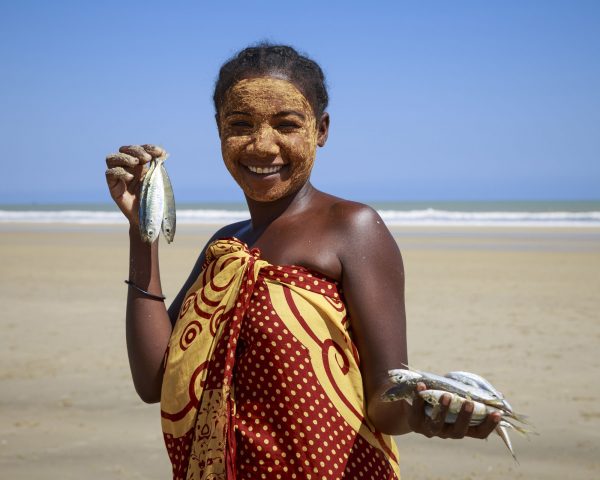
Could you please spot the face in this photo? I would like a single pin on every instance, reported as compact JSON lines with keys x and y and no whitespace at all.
{"x":269,"y":137}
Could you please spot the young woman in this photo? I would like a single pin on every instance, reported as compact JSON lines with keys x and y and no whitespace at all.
{"x":271,"y":361}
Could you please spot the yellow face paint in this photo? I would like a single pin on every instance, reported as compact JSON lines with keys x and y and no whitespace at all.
{"x":268,"y":137}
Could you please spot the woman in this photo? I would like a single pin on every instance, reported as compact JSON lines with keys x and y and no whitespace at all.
{"x":274,"y":354}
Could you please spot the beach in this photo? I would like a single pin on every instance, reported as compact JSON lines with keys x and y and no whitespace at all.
{"x":520,"y":306}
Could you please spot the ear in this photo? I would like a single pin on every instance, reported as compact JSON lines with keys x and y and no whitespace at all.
{"x":323,"y":129}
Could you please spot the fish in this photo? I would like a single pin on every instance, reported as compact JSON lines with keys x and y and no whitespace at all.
{"x":405,"y":382}
{"x":144,"y":194}
{"x":152,"y":202}
{"x":452,"y":417}
{"x":157,"y":203}
{"x":501,"y":430}
{"x":480,"y":410}
{"x":169,"y":214}
{"x":437,"y":382}
{"x":475,"y":380}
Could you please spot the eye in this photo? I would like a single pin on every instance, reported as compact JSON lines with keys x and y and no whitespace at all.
{"x":240,"y":124}
{"x":287,"y":126}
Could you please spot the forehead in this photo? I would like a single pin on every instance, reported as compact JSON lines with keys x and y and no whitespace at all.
{"x":265,"y":95}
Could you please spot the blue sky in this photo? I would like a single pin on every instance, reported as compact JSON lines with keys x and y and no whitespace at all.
{"x":462,"y":100}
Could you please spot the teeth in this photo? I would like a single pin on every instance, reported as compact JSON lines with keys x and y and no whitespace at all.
{"x":265,"y":170}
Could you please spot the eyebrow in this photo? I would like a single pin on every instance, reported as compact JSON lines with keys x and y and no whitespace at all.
{"x":236,"y":112}
{"x":290,"y":112}
{"x":283,"y":113}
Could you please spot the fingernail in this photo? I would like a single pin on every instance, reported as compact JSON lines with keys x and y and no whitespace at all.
{"x":468,"y":407}
{"x":445,"y":400}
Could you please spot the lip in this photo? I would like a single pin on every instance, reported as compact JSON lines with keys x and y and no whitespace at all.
{"x":265,"y":170}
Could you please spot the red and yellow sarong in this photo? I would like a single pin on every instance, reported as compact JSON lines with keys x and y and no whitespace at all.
{"x":262,"y":378}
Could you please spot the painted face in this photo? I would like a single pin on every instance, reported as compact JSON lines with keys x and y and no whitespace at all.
{"x":268,"y":137}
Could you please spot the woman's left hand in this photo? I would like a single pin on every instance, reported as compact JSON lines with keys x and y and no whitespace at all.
{"x":421,"y":423}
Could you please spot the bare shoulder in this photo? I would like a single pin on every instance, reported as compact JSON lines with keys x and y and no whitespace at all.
{"x":231,"y":230}
{"x":354,"y":218}
{"x":358,"y":229}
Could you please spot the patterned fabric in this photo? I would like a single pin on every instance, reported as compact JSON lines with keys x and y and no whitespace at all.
{"x":262,"y":378}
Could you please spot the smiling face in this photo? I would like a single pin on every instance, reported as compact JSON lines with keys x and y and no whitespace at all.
{"x":268,"y":136}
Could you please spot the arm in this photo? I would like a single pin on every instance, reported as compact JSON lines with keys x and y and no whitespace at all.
{"x":373,"y":284}
{"x":148,"y":324}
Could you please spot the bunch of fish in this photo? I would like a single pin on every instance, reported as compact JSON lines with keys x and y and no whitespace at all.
{"x":461,"y":386}
{"x":157,"y":203}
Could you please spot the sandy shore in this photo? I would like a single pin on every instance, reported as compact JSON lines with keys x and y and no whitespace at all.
{"x":519,"y":306}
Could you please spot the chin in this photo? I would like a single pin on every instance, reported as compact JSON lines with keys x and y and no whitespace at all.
{"x":269,"y":195}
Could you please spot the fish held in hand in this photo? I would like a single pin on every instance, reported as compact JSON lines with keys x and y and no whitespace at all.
{"x":478,"y":381}
{"x":405,"y":382}
{"x":169,"y":215}
{"x":157,"y":203}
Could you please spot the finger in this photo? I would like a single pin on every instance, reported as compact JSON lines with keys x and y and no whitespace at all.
{"x":484,"y":429}
{"x":121,"y":160}
{"x":463,"y":420}
{"x":438,"y":423}
{"x":445,"y":406}
{"x":136,"y":151}
{"x":117,"y":174}
{"x":417,"y":411}
{"x":431,"y":427}
{"x":117,"y":179}
{"x":154,"y":150}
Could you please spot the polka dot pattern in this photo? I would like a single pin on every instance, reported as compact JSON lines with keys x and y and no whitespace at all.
{"x":286,"y":426}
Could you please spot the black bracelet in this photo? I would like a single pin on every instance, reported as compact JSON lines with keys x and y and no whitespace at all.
{"x":148,"y":294}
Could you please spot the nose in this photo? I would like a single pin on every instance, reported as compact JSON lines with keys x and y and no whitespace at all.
{"x":264,"y":142}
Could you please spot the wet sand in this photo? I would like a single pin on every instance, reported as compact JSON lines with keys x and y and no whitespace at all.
{"x":519,"y":306}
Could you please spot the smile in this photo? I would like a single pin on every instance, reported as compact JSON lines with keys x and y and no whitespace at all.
{"x":265,"y":170}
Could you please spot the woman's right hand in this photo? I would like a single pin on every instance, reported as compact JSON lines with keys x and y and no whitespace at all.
{"x":125,"y":172}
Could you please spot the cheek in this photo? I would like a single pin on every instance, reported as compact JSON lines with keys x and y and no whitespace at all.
{"x":304,"y":152}
{"x":230,"y":149}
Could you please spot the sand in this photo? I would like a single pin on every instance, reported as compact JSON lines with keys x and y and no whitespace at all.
{"x":519,"y":306}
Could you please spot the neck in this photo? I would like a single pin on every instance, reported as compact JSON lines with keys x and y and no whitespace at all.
{"x":262,"y":214}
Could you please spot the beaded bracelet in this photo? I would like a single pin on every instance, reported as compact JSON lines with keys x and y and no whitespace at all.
{"x":148,"y":294}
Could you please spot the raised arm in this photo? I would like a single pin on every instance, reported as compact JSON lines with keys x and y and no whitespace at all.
{"x":147,"y":324}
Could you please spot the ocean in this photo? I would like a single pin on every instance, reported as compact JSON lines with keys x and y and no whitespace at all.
{"x":476,"y":214}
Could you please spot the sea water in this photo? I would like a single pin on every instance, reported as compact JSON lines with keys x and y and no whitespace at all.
{"x":477,"y":214}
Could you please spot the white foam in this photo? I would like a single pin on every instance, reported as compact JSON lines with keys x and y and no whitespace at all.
{"x":425,"y":217}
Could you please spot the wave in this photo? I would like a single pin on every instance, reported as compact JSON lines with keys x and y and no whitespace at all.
{"x":421,"y":217}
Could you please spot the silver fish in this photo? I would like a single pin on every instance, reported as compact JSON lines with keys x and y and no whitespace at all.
{"x":502,"y":432}
{"x":169,"y":214}
{"x":405,"y":382}
{"x":144,"y":194}
{"x":475,"y":380}
{"x":437,"y":382}
{"x":152,"y":206}
{"x":431,"y":412}
{"x":480,"y":410}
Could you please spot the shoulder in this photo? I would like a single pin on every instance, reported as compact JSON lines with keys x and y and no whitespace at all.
{"x":231,"y":230}
{"x":358,"y":228}
{"x":353,"y":218}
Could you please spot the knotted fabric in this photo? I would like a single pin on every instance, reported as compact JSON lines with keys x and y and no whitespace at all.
{"x":262,"y":378}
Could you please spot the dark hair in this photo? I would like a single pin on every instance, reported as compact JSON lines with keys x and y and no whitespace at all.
{"x":267,"y":59}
